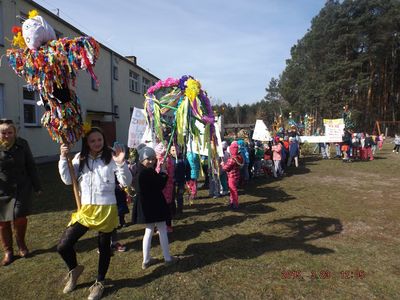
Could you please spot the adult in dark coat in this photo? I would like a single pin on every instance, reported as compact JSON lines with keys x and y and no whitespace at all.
{"x":20,"y":172}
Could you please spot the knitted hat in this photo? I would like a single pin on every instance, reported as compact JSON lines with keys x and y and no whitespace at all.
{"x":160,"y":149}
{"x":233,"y":148}
{"x":146,"y":152}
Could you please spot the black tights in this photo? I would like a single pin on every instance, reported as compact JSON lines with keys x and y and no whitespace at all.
{"x":69,"y":238}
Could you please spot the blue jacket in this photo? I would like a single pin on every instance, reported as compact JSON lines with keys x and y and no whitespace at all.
{"x":194,"y":162}
{"x":243,"y":151}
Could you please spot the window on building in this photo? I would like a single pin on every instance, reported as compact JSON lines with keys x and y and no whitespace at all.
{"x":58,"y":34}
{"x":2,"y":100}
{"x":95,"y":87}
{"x":146,"y":84}
{"x":115,"y":72}
{"x":133,"y":81}
{"x":31,"y":111}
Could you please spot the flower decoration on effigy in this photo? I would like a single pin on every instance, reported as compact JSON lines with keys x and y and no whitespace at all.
{"x":179,"y":112}
{"x":50,"y":67}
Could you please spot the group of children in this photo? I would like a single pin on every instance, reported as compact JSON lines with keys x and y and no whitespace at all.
{"x":358,"y":146}
{"x":156,"y":179}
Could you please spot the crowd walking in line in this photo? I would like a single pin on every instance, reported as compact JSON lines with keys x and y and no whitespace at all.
{"x":156,"y":181}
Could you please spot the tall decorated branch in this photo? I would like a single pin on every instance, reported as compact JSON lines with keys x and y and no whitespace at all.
{"x":179,"y":112}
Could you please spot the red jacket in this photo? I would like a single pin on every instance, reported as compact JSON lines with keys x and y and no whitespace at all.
{"x":234,"y":163}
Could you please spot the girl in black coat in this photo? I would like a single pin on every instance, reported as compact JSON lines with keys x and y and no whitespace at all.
{"x":150,"y":206}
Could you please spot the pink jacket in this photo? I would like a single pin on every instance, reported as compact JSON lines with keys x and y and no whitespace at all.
{"x":234,"y":163}
{"x":168,"y":190}
{"x":276,"y":152}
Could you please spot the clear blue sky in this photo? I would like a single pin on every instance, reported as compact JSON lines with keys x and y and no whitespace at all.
{"x":234,"y":47}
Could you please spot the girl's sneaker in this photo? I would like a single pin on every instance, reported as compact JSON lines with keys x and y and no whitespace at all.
{"x":151,"y":262}
{"x":174,"y":260}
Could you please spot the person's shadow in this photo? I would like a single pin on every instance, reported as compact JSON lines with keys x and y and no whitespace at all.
{"x":301,"y":230}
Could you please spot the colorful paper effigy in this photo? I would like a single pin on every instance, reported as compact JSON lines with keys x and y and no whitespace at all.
{"x":172,"y":108}
{"x":50,"y":69}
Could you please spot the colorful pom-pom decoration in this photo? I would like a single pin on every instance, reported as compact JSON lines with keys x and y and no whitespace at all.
{"x":51,"y":69}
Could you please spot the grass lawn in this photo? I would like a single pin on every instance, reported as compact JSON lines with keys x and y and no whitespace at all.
{"x":327,"y":230}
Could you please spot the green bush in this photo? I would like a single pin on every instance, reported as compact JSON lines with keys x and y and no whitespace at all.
{"x":307,"y":148}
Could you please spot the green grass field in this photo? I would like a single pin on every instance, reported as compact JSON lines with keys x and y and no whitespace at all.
{"x":327,"y":230}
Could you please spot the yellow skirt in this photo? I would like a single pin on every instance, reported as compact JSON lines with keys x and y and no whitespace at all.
{"x":102,"y":218}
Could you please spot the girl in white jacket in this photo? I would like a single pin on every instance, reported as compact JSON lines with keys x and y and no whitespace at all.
{"x":95,"y":167}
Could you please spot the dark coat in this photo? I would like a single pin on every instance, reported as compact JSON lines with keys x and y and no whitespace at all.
{"x":25,"y":174}
{"x":150,"y":205}
{"x":181,"y":171}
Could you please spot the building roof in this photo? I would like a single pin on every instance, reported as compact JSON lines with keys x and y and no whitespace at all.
{"x":128,"y":59}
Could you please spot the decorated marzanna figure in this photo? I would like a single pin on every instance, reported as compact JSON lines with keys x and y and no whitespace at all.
{"x":308,"y":124}
{"x":278,"y":124}
{"x":50,"y":66}
{"x":349,"y":122}
{"x":291,"y":121}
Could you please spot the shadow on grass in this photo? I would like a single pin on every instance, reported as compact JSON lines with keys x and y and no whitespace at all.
{"x":42,"y":251}
{"x":56,"y":195}
{"x":246,"y":246}
{"x":245,"y":207}
{"x":270,"y":195}
{"x":182,"y":232}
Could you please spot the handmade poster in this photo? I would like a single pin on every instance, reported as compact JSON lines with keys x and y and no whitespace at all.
{"x":334,"y":130}
{"x":137,"y":127}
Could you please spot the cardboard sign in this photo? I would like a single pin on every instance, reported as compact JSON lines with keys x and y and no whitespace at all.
{"x":334,"y":129}
{"x":261,"y":132}
{"x":137,"y":128}
{"x":313,"y":139}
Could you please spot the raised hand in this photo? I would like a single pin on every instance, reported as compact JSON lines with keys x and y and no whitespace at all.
{"x":118,"y":154}
{"x":64,"y":150}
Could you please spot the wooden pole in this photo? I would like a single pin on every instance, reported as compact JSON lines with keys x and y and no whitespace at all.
{"x":75,"y":186}
{"x":379,"y":127}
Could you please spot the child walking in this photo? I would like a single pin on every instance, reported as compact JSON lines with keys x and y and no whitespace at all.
{"x":95,"y":167}
{"x":168,"y":191}
{"x":223,"y":178}
{"x":194,"y":162}
{"x":293,"y":152}
{"x":277,"y":157}
{"x":181,"y":175}
{"x":232,"y":168}
{"x":151,"y":208}
{"x":396,"y":143}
